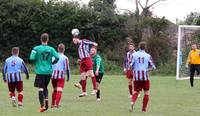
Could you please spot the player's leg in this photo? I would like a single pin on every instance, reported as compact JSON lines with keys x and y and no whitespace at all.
{"x":60,"y":86}
{"x":39,"y":83}
{"x":137,"y":89}
{"x":129,"y":76}
{"x":192,"y":71}
{"x":90,"y":73}
{"x":198,"y":69}
{"x":46,"y":83}
{"x":11,"y":88}
{"x":98,"y":79}
{"x":19,"y":87}
{"x":130,"y":86}
{"x":146,"y":86}
{"x":78,"y":85}
{"x":145,"y":100}
{"x":83,"y":81}
{"x":54,"y":85}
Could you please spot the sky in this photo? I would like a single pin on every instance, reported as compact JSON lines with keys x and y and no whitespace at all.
{"x":171,"y":9}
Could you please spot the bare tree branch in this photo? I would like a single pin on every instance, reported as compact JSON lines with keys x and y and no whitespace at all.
{"x":147,"y":1}
{"x":155,"y":3}
{"x":140,"y":4}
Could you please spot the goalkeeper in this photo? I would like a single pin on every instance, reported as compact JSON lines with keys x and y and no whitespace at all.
{"x":193,"y":62}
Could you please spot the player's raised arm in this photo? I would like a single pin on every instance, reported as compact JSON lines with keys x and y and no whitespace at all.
{"x":25,"y":70}
{"x":4,"y":71}
{"x":90,"y":42}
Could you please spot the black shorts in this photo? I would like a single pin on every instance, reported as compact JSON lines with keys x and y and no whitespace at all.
{"x":99,"y":77}
{"x":193,"y":68}
{"x":42,"y":81}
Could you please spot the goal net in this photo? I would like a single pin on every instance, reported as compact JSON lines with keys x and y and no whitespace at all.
{"x":187,"y":34}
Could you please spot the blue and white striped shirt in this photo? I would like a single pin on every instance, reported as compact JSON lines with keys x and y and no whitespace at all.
{"x":141,"y":62}
{"x":61,"y":68}
{"x":12,"y":69}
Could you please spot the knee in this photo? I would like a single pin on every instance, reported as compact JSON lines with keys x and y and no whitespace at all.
{"x":20,"y":92}
{"x":60,"y":89}
{"x":90,"y":73}
{"x":130,"y":82}
{"x":135,"y":92}
{"x":146,"y":92}
{"x":40,"y":89}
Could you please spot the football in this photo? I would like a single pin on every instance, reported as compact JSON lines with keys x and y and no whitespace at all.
{"x":75,"y":32}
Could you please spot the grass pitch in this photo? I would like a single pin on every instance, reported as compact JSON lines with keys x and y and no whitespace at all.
{"x":168,"y":97}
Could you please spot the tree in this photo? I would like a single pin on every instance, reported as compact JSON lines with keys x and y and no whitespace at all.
{"x":145,"y":8}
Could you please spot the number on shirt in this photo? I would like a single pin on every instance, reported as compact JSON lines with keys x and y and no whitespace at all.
{"x":141,"y":60}
{"x":45,"y":56}
{"x":13,"y":63}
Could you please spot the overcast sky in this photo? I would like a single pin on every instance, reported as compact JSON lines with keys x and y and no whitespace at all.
{"x":171,"y":9}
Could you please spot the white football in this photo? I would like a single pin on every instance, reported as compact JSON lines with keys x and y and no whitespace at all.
{"x":75,"y":32}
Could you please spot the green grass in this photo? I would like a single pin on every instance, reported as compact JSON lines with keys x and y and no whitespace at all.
{"x":168,"y":97}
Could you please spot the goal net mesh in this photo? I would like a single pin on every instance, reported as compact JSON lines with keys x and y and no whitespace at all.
{"x":187,"y":34}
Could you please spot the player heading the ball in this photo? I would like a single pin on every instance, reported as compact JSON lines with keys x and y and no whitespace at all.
{"x":86,"y":68}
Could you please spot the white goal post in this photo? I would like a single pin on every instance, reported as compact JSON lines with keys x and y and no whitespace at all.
{"x":185,"y":36}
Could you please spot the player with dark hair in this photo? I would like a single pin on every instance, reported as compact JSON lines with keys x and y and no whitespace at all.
{"x":42,"y":56}
{"x":142,"y":63}
{"x":127,"y":68}
{"x":12,"y":75}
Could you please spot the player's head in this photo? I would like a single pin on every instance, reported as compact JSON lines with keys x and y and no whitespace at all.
{"x":44,"y":38}
{"x":93,"y":51}
{"x":194,"y":46}
{"x":76,"y":39}
{"x":142,"y":45}
{"x":61,"y":48}
{"x":15,"y":51}
{"x":131,"y":46}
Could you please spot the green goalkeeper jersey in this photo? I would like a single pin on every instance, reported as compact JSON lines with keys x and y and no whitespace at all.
{"x":42,"y":56}
{"x":97,"y":61}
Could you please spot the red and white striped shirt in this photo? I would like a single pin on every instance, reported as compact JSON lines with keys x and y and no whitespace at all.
{"x":61,"y":68}
{"x":141,"y":62}
{"x":84,"y":48}
{"x":127,"y":60}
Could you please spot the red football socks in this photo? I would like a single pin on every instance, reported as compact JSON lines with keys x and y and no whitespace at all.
{"x":53,"y":98}
{"x":83,"y":85}
{"x":134,"y":97}
{"x":145,"y":102}
{"x":58,"y":97}
{"x":20,"y":98}
{"x":130,"y":89}
{"x":94,"y":83}
{"x":12,"y":95}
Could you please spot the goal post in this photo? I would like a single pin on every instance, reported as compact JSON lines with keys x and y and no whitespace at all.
{"x":187,"y":34}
